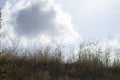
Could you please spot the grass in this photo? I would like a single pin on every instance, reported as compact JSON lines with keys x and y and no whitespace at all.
{"x":42,"y":65}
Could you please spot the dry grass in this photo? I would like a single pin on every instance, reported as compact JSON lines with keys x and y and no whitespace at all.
{"x":44,"y":66}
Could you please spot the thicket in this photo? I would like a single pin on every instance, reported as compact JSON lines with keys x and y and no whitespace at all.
{"x":43,"y":64}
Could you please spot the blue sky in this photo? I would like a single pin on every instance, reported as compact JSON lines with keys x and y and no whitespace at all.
{"x":97,"y":18}
{"x":2,"y":2}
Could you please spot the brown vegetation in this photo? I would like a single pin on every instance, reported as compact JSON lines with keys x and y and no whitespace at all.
{"x":43,"y":66}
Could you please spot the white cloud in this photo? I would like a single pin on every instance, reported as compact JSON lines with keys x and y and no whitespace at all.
{"x":40,"y":19}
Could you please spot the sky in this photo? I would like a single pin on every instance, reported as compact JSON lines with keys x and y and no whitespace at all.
{"x":2,"y":3}
{"x":43,"y":20}
{"x":61,"y":22}
{"x":96,"y":18}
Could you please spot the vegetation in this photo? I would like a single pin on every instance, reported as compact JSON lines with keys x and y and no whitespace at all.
{"x":47,"y":65}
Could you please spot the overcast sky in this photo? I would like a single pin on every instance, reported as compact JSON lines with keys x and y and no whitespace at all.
{"x":97,"y":18}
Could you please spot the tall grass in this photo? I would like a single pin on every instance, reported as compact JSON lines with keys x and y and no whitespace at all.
{"x":88,"y":64}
